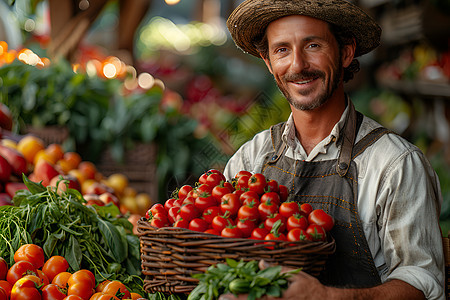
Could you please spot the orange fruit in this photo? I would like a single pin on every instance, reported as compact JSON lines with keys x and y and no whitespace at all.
{"x":64,"y":165}
{"x":73,"y":158}
{"x":42,"y":154}
{"x":29,"y":145}
{"x":86,"y":184}
{"x":88,"y":169}
{"x":55,"y":151}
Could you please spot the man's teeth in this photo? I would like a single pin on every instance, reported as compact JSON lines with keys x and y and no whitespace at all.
{"x":304,"y":81}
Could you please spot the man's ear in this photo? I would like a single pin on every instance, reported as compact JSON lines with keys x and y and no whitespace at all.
{"x":267,"y":61}
{"x":348,"y":53}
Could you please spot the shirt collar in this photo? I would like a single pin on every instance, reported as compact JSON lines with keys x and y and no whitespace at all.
{"x":290,"y":138}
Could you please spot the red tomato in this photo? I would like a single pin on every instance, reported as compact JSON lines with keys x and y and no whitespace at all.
{"x":272,"y":186}
{"x":169,"y":203}
{"x":52,"y":292}
{"x":228,"y":185}
{"x":6,"y":286}
{"x":3,"y":268}
{"x":198,"y":224}
{"x":157,"y":208}
{"x":215,"y":179}
{"x":61,"y":279}
{"x":298,"y":234}
{"x":267,"y":209}
{"x":203,"y":201}
{"x":209,"y":213}
{"x":283,"y":192}
{"x":272,"y":196}
{"x":316,"y":232}
{"x":257,"y":183}
{"x":184,"y":191}
{"x":220,"y":190}
{"x":270,"y":222}
{"x":181,"y":223}
{"x":159,"y":220}
{"x":25,"y":289}
{"x":288,"y":209}
{"x":172,"y":214}
{"x":242,"y":182}
{"x":246,"y":226}
{"x":3,"y":294}
{"x":306,"y":209}
{"x":116,"y":288}
{"x":259,"y":233}
{"x":319,"y":217}
{"x":221,"y":221}
{"x":188,"y":212}
{"x":82,"y":276}
{"x":73,"y":297}
{"x":81,"y":289}
{"x":32,"y":253}
{"x":274,"y":237}
{"x":231,"y":232}
{"x":202,"y":190}
{"x":249,"y":196}
{"x":20,"y":269}
{"x":242,"y":172}
{"x":189,"y":199}
{"x":296,"y":221}
{"x":212,"y":231}
{"x":230,"y":203}
{"x":249,"y":211}
{"x":43,"y":278}
{"x":55,"y":265}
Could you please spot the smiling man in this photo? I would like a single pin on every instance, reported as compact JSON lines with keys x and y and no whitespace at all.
{"x":380,"y":189}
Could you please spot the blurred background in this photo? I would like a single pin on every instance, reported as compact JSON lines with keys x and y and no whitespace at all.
{"x":157,"y":90}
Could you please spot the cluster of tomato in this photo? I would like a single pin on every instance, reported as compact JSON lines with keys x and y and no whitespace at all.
{"x":31,"y":277}
{"x":250,"y":206}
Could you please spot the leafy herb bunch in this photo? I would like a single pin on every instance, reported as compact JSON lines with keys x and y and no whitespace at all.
{"x":240,"y":277}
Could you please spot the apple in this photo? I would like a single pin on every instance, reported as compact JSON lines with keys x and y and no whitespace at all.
{"x":44,"y":171}
{"x":6,"y":121}
{"x":5,"y":169}
{"x":16,"y":160}
{"x":108,"y":197}
{"x":12,"y":187}
{"x":92,"y":199}
{"x":5,"y":199}
{"x":98,"y":188}
{"x":72,"y":182}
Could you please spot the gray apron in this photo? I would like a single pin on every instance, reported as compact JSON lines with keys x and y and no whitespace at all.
{"x":332,"y":186}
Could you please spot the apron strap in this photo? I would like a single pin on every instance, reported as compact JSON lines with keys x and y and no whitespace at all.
{"x":347,"y":140}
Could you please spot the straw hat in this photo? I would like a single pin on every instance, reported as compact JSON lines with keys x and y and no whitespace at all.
{"x":250,"y":19}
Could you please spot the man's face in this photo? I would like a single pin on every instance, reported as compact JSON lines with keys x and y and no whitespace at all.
{"x":304,"y":59}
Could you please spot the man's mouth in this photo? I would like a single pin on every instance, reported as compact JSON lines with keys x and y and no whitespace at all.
{"x":305,"y":81}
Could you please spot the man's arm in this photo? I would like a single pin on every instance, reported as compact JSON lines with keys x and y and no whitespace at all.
{"x":305,"y":286}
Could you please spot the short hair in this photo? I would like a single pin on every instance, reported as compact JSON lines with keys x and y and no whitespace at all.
{"x":342,"y":37}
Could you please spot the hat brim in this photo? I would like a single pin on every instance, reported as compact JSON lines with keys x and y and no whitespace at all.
{"x":249,"y":20}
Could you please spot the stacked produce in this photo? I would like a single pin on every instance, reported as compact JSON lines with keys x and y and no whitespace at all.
{"x":250,"y":206}
{"x":32,"y":277}
{"x":46,"y":163}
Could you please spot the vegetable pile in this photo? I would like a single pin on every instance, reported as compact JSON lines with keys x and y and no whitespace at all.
{"x":250,"y":206}
{"x":240,"y":278}
{"x":31,"y":277}
{"x":88,"y":236}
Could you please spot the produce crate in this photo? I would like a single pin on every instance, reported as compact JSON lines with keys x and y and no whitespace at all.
{"x":170,"y":256}
{"x":49,"y":134}
{"x":139,"y":166}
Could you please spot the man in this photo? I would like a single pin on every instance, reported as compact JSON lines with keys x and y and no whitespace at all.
{"x":381,"y":190}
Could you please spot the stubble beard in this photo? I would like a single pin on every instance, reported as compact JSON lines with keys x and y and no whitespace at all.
{"x":322,"y":98}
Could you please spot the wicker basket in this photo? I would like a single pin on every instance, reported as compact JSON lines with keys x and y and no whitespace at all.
{"x":170,"y":255}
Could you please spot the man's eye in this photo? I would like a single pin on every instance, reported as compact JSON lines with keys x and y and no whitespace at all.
{"x":281,"y":50}
{"x":313,"y":46}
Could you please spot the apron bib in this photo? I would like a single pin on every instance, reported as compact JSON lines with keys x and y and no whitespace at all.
{"x":332,"y":186}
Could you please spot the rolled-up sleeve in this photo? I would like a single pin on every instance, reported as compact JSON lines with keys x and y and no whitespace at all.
{"x":408,"y":207}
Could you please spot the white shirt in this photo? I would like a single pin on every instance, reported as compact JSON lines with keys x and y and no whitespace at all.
{"x":399,"y":200}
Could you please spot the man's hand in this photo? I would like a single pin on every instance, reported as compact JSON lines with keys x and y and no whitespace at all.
{"x":301,"y":286}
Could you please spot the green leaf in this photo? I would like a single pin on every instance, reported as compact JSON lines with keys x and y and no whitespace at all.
{"x":113,"y":239}
{"x":73,"y":253}
{"x":33,"y":187}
